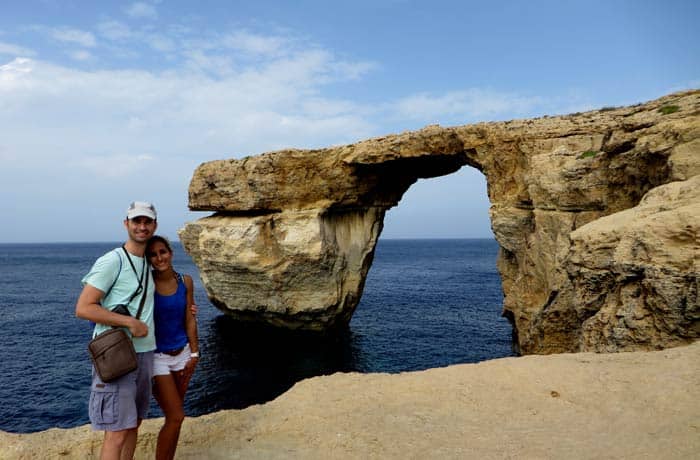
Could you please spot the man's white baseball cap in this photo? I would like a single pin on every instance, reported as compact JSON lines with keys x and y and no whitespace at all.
{"x":141,"y":208}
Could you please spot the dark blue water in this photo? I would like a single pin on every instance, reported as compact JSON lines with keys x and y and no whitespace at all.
{"x":426,"y":303}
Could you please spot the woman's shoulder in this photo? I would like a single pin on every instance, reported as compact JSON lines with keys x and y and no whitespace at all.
{"x":187,"y":279}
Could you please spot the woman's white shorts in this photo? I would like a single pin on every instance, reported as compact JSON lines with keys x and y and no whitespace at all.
{"x":164,"y":364}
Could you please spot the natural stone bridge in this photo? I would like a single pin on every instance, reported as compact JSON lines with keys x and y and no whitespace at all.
{"x":596,"y":214}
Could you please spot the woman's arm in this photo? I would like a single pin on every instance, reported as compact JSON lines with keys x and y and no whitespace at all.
{"x":190,"y":319}
{"x":182,"y":378}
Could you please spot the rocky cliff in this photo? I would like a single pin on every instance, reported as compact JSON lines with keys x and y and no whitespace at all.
{"x":597,"y":216}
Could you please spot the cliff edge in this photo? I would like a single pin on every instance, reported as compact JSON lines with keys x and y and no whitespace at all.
{"x":579,"y":406}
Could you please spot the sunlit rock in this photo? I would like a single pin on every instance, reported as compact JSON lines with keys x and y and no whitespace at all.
{"x":294,"y":231}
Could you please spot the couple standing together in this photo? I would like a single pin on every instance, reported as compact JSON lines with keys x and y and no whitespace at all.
{"x":164,"y":336}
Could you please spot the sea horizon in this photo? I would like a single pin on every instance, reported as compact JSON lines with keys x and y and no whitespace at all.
{"x":422,"y":238}
{"x":427,"y":302}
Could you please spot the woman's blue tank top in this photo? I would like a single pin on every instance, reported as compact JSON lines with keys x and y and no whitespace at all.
{"x":169,"y":318}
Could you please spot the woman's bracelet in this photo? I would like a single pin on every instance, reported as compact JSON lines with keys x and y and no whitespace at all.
{"x":194,"y":354}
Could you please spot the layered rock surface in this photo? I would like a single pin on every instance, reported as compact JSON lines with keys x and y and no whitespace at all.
{"x":294,"y":231}
{"x":638,"y":405}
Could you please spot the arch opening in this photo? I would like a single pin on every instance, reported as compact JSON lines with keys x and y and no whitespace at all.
{"x":433,"y":294}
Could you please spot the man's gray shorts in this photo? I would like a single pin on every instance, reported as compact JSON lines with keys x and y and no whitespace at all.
{"x":119,"y":404}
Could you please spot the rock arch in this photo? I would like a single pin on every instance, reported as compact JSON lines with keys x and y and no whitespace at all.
{"x":294,"y":231}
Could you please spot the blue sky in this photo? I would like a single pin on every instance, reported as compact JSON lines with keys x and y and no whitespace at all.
{"x":102,"y":103}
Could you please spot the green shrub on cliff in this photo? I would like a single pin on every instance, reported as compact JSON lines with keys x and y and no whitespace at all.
{"x":669,"y":109}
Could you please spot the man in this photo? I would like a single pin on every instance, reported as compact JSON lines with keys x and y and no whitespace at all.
{"x":118,"y":407}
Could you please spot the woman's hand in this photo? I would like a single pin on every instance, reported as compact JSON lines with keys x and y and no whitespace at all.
{"x":191,"y":364}
{"x":183,"y":377}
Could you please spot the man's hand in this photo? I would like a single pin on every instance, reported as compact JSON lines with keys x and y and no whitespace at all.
{"x":138,"y":328}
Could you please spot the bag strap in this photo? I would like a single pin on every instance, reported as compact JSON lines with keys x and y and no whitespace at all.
{"x":143,"y":297}
{"x":144,"y":269}
{"x":118,"y":273}
{"x":136,"y":292}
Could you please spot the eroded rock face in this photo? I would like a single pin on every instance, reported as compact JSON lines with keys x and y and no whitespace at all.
{"x":294,"y":231}
{"x":295,"y":269}
{"x":635,"y":273}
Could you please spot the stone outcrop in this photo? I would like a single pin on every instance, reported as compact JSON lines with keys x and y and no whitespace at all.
{"x":572,"y":406}
{"x":597,"y":216}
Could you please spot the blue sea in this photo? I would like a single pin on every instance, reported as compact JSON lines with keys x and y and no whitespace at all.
{"x":426,"y":303}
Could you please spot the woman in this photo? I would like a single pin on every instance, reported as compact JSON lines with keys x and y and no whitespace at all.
{"x":177,"y":347}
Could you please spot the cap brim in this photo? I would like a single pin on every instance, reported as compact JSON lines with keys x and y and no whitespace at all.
{"x":140,"y":214}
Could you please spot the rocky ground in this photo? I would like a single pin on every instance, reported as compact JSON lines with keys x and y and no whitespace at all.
{"x":641,"y":405}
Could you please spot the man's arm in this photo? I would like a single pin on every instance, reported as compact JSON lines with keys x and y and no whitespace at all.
{"x":88,"y":307}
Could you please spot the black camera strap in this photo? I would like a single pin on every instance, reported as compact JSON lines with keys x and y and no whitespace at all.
{"x":142,"y":286}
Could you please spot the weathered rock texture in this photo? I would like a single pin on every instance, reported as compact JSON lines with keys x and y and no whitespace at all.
{"x":639,"y":405}
{"x":597,"y":216}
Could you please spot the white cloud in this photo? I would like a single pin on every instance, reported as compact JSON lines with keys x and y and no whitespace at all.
{"x":80,"y":55}
{"x":161,"y":43}
{"x":466,"y":105}
{"x":354,"y":70}
{"x":199,"y":61}
{"x":203,"y":110}
{"x":255,"y":44}
{"x":11,"y":74}
{"x":114,"y":166}
{"x":178,"y":112}
{"x":142,"y":10}
{"x":70,"y":35}
{"x":115,"y":30}
{"x":15,"y":50}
